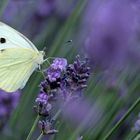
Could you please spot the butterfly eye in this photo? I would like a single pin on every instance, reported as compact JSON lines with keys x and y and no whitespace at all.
{"x":2,"y":40}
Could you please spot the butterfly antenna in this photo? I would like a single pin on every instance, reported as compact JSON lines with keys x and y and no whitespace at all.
{"x":45,"y":48}
{"x":47,"y":59}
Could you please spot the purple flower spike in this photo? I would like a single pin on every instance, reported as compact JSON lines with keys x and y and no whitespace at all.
{"x":53,"y":74}
{"x":42,"y":98}
{"x":54,"y":71}
{"x":43,"y":107}
{"x":77,"y":74}
{"x":59,"y":63}
{"x":46,"y":127}
{"x":64,"y":81}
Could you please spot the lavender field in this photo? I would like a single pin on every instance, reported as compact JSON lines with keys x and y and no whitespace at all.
{"x":88,"y":85}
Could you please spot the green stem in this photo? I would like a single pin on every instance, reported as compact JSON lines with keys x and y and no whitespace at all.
{"x":33,"y":128}
{"x":40,"y":137}
{"x":122,"y":119}
{"x":57,"y":115}
{"x":137,"y":137}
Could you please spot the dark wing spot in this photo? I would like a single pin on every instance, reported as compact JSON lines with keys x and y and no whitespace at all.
{"x":2,"y":40}
{"x":2,"y":50}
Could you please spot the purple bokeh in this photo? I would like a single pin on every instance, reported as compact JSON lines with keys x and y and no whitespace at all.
{"x":110,"y":34}
{"x":31,"y":17}
{"x":81,"y":113}
{"x":8,"y":102}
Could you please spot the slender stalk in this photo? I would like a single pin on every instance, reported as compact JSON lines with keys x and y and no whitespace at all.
{"x":40,"y":137}
{"x":137,"y":137}
{"x":56,"y":115}
{"x":33,"y":128}
{"x":54,"y":119}
{"x":122,"y":119}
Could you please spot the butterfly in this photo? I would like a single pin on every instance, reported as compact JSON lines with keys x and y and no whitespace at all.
{"x":18,"y":59}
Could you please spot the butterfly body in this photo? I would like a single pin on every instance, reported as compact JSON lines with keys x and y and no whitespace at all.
{"x":18,"y":59}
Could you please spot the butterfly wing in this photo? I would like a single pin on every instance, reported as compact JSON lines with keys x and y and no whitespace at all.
{"x":18,"y":59}
{"x":14,"y":38}
{"x":16,"y":66}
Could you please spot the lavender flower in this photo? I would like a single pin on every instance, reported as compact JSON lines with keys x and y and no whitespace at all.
{"x":59,"y":63}
{"x":77,"y":74}
{"x":46,"y":127}
{"x":53,"y":74}
{"x":8,"y":103}
{"x":65,"y":78}
{"x":42,"y":107}
{"x":62,"y":80}
{"x":42,"y":99}
{"x":56,"y":68}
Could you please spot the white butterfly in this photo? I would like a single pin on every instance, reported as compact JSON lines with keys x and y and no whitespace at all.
{"x":18,"y":59}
